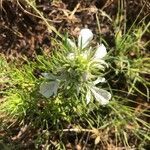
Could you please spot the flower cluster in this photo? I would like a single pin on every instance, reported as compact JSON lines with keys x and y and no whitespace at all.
{"x":95,"y":61}
{"x":84,"y":71}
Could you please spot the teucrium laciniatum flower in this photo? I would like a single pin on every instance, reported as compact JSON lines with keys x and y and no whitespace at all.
{"x":83,"y":69}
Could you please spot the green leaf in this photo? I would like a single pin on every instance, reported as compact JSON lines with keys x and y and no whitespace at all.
{"x":49,"y":89}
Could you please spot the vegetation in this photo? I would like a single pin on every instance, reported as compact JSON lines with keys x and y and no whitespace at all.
{"x":78,"y":95}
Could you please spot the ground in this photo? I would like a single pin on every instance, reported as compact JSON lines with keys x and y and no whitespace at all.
{"x":24,"y":32}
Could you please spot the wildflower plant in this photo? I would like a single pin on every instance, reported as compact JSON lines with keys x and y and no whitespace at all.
{"x":78,"y":70}
{"x":58,"y":93}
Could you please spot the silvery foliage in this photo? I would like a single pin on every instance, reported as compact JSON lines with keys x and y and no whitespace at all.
{"x":82,"y":50}
{"x":50,"y":88}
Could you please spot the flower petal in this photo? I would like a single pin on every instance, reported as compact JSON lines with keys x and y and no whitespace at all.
{"x":71,"y":43}
{"x":88,"y":96}
{"x":101,"y":95}
{"x":85,"y":37}
{"x":100,"y":52}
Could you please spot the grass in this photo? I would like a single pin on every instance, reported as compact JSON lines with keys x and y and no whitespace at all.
{"x":121,"y":123}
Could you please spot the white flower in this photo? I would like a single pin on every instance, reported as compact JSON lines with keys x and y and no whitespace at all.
{"x":85,"y":38}
{"x":100,"y":95}
{"x":100,"y":52}
{"x":95,"y":61}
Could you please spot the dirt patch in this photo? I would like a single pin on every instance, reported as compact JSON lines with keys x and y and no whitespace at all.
{"x":24,"y":33}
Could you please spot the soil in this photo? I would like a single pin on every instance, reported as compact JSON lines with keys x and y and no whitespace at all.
{"x":24,"y":33}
